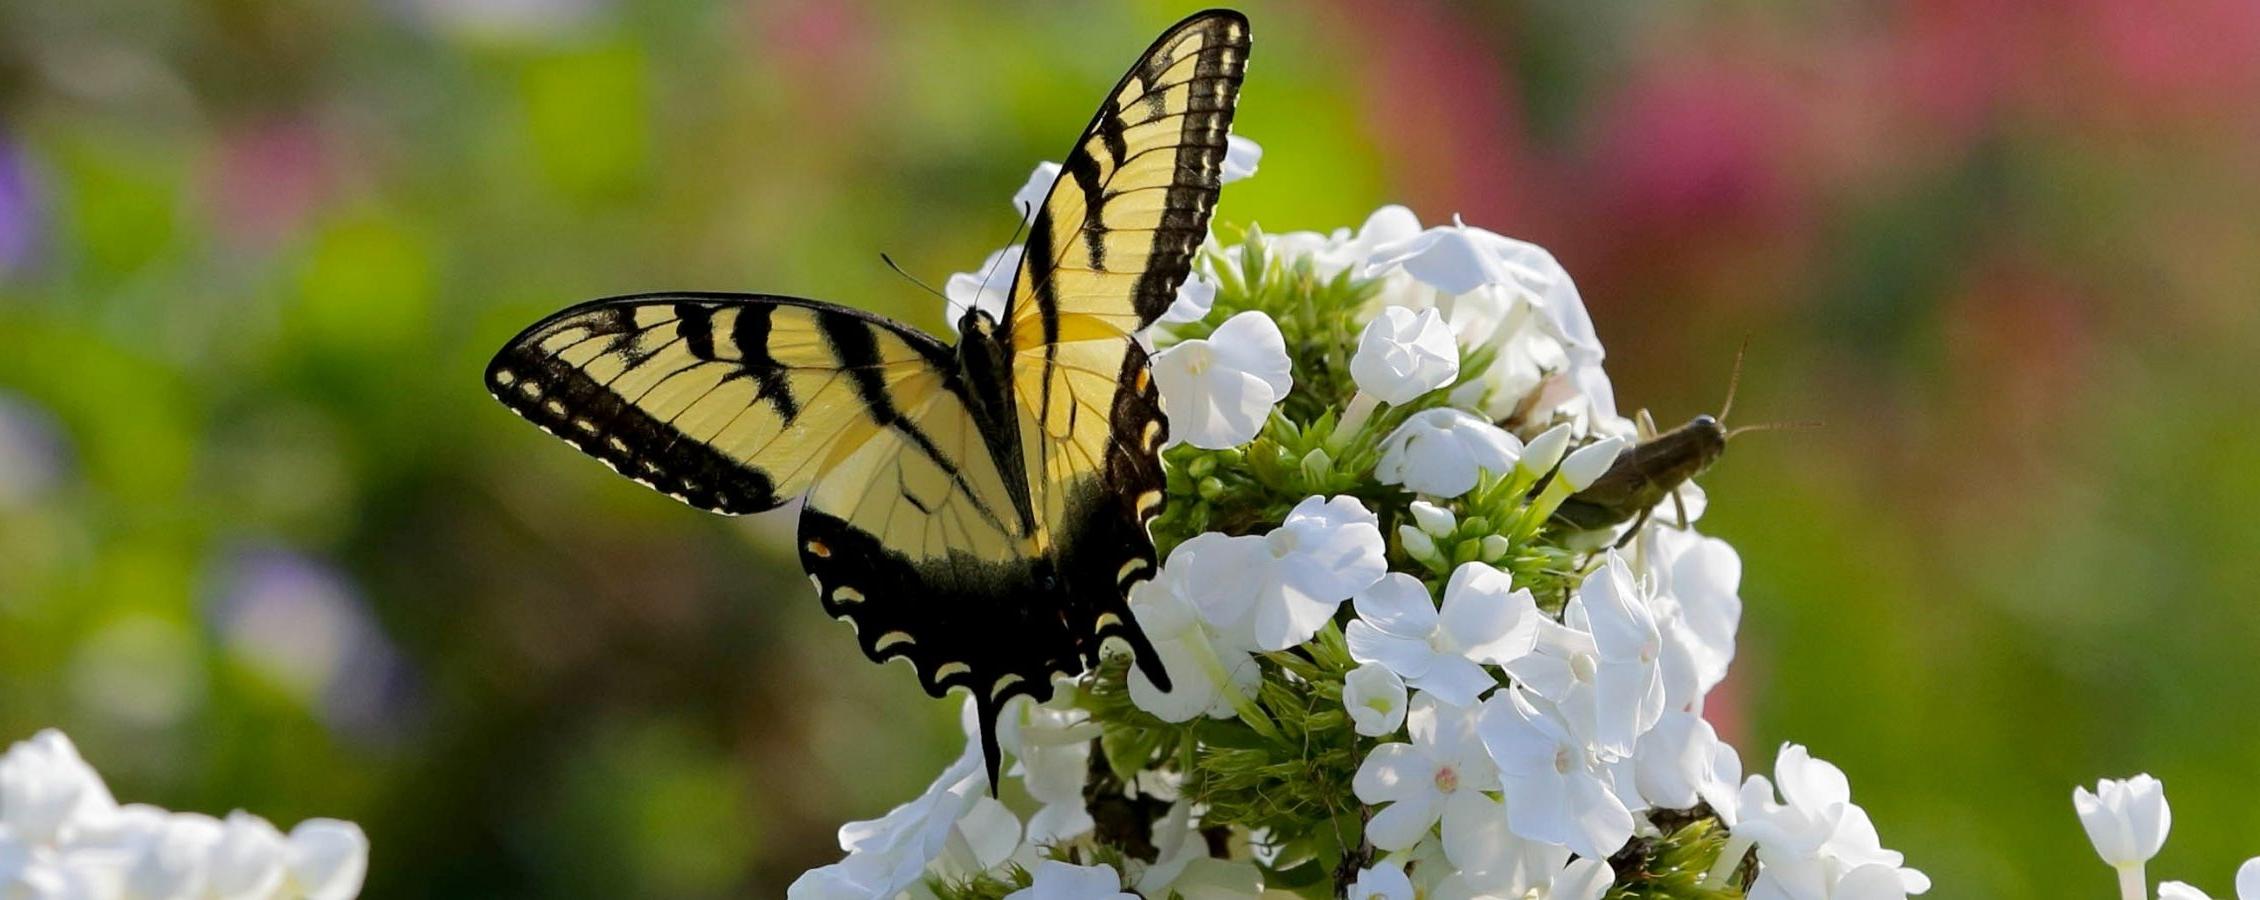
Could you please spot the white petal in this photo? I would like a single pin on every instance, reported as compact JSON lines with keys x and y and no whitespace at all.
{"x":1584,"y":879}
{"x":1393,"y":772}
{"x":1455,"y":680}
{"x":247,"y":864}
{"x":1404,"y":822}
{"x":1600,"y":822}
{"x":1250,"y":342}
{"x":1386,"y":881}
{"x":1240,"y":158}
{"x":1031,"y":195}
{"x":328,"y":859}
{"x":2248,"y":880}
{"x":1487,"y":618}
{"x":1375,"y":699}
{"x":1398,"y":605}
{"x":1408,"y":657}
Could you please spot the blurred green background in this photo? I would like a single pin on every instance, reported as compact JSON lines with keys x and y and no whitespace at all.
{"x":265,"y":542}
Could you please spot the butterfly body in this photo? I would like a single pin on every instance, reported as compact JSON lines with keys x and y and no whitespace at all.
{"x":979,"y":510}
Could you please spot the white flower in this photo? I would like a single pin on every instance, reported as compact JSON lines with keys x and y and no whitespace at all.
{"x":1030,"y":197}
{"x":1817,"y":842}
{"x":1404,"y":354}
{"x":1204,"y":648}
{"x":1484,"y":620}
{"x":1442,"y":451}
{"x":1218,"y":391}
{"x":1194,"y":299}
{"x":1697,"y":609}
{"x":887,"y":855}
{"x":1386,"y":881}
{"x":1375,"y":700}
{"x":1240,"y":158}
{"x":1682,"y":760}
{"x":1584,"y":879}
{"x":1628,"y":686}
{"x":2248,"y":880}
{"x":326,"y":859}
{"x":1600,"y":666}
{"x":1342,"y":250}
{"x":986,"y":288}
{"x":1512,"y":295}
{"x":1558,"y":791}
{"x":2127,"y":820}
{"x":248,"y":861}
{"x":1443,"y":767}
{"x":1056,"y":880}
{"x":1184,"y":866}
{"x":1587,"y":464}
{"x":47,"y":792}
{"x":2178,"y":890}
{"x":1326,"y":550}
{"x":1052,"y":742}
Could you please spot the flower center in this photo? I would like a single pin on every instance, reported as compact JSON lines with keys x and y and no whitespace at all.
{"x":1198,"y":357}
{"x":1584,"y":666}
{"x":1650,"y":650}
{"x":1441,"y":642}
{"x":1281,"y":541}
{"x":1447,"y":779}
{"x":1563,"y":761}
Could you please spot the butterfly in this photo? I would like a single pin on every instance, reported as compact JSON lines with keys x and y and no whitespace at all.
{"x":978,"y":509}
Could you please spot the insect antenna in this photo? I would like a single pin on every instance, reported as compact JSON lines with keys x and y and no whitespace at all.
{"x":1733,"y":381}
{"x":1801,"y":425}
{"x":1027,"y":212}
{"x":913,"y":279}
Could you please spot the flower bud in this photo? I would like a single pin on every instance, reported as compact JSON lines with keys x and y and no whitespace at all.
{"x":1317,"y":465}
{"x":2126,"y":820}
{"x":1496,"y":546}
{"x":1416,"y":542}
{"x":1590,"y":462}
{"x":1434,"y":519}
{"x":1210,"y":487}
{"x":1545,"y":450}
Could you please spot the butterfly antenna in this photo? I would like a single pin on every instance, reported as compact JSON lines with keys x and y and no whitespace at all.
{"x":1026,"y":212}
{"x":913,"y":279}
{"x":1734,"y":381}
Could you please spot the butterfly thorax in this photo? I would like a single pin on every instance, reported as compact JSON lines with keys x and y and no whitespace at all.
{"x":984,"y":362}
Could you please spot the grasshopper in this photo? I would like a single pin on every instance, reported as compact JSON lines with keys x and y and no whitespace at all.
{"x":1652,"y":471}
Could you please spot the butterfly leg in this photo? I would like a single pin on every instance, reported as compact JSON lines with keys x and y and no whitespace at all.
{"x":1637,"y":523}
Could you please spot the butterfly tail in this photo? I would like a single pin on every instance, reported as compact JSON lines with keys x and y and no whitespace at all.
{"x":991,"y":754}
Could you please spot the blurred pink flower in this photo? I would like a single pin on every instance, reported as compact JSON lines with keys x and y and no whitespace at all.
{"x":266,"y":179}
{"x":18,"y":211}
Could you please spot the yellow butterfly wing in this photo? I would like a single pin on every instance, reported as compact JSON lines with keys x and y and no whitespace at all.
{"x":1106,"y":252}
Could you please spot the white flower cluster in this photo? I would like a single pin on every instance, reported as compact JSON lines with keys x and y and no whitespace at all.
{"x":2127,"y":819}
{"x":63,"y":837}
{"x":1508,"y":747}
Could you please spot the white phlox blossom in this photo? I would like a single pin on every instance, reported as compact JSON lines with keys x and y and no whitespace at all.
{"x":1443,"y":768}
{"x":62,"y":837}
{"x":1697,"y":609}
{"x":1218,"y":391}
{"x":1559,"y":790}
{"x":1816,"y":842}
{"x":1204,"y":647}
{"x":1682,"y":761}
{"x":1441,"y":452}
{"x":1507,"y":294}
{"x":1184,"y":866}
{"x":1375,"y":698}
{"x":2126,"y":819}
{"x":1384,"y":881}
{"x":1601,"y":666}
{"x":1052,"y":742}
{"x":1056,"y":880}
{"x":954,"y":828}
{"x":1404,"y":354}
{"x":1484,"y":621}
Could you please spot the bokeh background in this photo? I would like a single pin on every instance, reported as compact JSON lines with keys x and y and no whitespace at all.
{"x":265,"y":542}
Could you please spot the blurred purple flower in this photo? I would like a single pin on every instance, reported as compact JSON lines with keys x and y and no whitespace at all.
{"x":34,"y":456}
{"x":19,"y":223}
{"x":302,"y":623}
